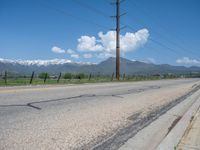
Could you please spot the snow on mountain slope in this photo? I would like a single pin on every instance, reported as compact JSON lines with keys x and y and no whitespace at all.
{"x":40,"y":62}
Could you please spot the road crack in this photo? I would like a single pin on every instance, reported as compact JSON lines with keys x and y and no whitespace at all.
{"x":118,"y":95}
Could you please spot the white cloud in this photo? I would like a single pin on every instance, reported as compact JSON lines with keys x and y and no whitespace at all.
{"x":87,"y":43}
{"x":58,"y":50}
{"x":146,"y":60}
{"x":69,"y":51}
{"x":151,"y":60}
{"x":187,"y":61}
{"x":87,"y":55}
{"x":75,"y":56}
{"x":131,"y":41}
{"x":106,"y":43}
{"x":133,"y":60}
{"x":108,"y":40}
{"x":104,"y":55}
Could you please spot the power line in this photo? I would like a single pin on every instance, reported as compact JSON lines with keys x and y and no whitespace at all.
{"x":74,"y":16}
{"x":118,"y":15}
{"x":118,"y":52}
{"x":155,"y":31}
{"x":180,"y":47}
{"x":147,"y":12}
{"x":161,"y":44}
{"x":171,"y":49}
{"x":157,"y":42}
{"x":91,"y":8}
{"x":105,"y":15}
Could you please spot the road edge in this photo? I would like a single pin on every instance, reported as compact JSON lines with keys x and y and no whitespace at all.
{"x":175,"y":135}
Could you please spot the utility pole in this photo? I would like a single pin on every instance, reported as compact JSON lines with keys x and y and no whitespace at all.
{"x":117,"y":39}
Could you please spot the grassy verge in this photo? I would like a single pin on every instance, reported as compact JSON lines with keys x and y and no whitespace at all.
{"x":37,"y":81}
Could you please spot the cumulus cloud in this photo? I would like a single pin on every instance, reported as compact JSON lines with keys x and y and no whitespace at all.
{"x":131,"y":41}
{"x":151,"y":60}
{"x":187,"y":61}
{"x":104,"y":55}
{"x":69,"y":51}
{"x":72,"y":53}
{"x":58,"y":50}
{"x":106,"y":43}
{"x":87,"y":55}
{"x":87,"y":43}
{"x":108,"y":40}
{"x":75,"y":56}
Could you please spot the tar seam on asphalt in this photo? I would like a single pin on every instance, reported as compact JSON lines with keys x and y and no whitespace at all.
{"x":119,"y":95}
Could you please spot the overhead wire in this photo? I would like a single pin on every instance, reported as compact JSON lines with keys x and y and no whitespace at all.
{"x":106,"y":16}
{"x":157,"y":42}
{"x":180,"y":47}
{"x":91,"y":8}
{"x":103,"y":14}
{"x":65,"y":13}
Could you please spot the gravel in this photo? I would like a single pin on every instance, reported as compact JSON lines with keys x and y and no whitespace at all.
{"x":79,"y":116}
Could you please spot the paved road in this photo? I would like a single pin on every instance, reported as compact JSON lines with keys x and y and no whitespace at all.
{"x":89,"y":116}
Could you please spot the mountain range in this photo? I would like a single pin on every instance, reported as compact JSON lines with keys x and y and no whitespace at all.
{"x":106,"y":67}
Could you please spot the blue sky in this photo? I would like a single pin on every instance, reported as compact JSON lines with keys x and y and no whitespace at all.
{"x":160,"y":31}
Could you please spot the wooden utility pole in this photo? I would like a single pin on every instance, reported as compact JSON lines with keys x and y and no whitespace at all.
{"x":117,"y":39}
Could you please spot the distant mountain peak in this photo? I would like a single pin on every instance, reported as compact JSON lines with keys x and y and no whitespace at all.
{"x":122,"y":60}
{"x":114,"y":59}
{"x":39,"y":62}
{"x":106,"y":67}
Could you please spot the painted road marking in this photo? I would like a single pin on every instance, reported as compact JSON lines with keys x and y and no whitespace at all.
{"x":31,"y":89}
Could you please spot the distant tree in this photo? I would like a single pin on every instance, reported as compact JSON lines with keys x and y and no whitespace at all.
{"x":43,"y":75}
{"x":112,"y":76}
{"x":169,"y":76}
{"x":67,"y":76}
{"x":124,"y":76}
{"x":80,"y":76}
{"x":90,"y":76}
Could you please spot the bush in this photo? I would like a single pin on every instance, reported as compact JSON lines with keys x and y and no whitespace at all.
{"x":43,"y":75}
{"x":67,"y":76}
{"x":80,"y":76}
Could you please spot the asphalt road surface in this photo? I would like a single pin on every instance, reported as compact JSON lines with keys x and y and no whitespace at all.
{"x":88,"y":116}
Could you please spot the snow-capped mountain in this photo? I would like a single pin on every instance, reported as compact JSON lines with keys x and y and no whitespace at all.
{"x":40,"y":62}
{"x":107,"y":67}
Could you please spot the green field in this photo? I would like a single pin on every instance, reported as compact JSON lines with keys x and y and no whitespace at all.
{"x":9,"y":79}
{"x":38,"y":81}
